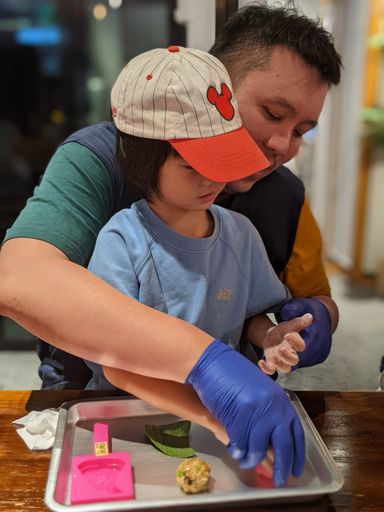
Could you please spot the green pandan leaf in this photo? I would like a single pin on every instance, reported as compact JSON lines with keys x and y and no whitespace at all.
{"x":171,"y":439}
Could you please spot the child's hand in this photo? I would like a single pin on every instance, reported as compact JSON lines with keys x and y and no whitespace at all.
{"x":282,"y":343}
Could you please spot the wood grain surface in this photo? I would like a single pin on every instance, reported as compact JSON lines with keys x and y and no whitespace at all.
{"x":350,"y":423}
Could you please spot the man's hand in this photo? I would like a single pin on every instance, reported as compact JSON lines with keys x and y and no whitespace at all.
{"x":254,"y":410}
{"x":282,"y":343}
{"x":317,"y":336}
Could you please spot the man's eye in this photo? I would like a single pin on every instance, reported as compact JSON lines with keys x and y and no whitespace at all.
{"x":271,"y":115}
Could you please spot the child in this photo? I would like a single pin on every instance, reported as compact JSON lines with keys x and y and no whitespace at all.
{"x":179,"y":141}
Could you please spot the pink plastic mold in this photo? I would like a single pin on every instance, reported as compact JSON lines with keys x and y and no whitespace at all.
{"x":101,"y":477}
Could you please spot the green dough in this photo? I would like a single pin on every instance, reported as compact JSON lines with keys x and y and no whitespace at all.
{"x":171,"y":439}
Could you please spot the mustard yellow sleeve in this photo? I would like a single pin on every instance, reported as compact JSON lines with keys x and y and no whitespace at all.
{"x":304,"y":273}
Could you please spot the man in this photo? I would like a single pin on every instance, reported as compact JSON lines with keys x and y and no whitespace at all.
{"x":282,"y":66}
{"x":44,"y":286}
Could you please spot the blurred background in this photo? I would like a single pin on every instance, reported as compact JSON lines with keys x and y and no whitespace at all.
{"x":59,"y":59}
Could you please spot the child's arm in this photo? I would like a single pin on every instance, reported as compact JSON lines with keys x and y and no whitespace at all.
{"x":173,"y":397}
{"x":280,"y":342}
{"x":178,"y":399}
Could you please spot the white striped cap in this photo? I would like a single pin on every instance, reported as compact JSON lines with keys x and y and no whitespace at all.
{"x":185,"y":96}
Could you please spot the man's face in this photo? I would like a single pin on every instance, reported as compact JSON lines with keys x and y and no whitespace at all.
{"x":278,"y":105}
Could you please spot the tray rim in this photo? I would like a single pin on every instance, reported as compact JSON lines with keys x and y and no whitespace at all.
{"x":200,"y":500}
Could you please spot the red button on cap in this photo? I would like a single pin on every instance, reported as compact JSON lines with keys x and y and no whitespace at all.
{"x":173,"y":49}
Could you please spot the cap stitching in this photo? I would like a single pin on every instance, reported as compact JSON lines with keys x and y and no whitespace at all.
{"x":121,"y":93}
{"x":157,"y":78}
{"x":166,"y":107}
{"x":139,"y":74}
{"x":192,"y":105}
{"x":157,"y":81}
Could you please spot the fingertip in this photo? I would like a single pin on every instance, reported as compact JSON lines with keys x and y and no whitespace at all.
{"x":235,"y":452}
{"x":299,"y":443}
{"x":251,"y":459}
{"x":261,"y":364}
{"x":307,"y":319}
{"x":265,"y":368}
{"x":283,"y":444}
{"x":279,"y":481}
{"x":298,"y":466}
{"x":297,"y":469}
{"x":280,"y":474}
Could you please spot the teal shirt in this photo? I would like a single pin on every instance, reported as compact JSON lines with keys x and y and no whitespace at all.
{"x":72,"y":203}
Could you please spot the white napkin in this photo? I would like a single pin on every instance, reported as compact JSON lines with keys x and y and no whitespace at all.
{"x":39,"y":428}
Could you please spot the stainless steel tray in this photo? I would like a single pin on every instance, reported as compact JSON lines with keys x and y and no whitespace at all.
{"x":154,"y":473}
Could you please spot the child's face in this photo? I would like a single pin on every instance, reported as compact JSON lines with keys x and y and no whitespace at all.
{"x":181,"y":187}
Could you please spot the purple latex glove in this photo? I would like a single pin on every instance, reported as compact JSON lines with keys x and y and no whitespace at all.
{"x":254,"y":410}
{"x":318,"y":336}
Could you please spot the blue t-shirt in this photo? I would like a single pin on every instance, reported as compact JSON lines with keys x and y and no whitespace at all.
{"x":214,"y":283}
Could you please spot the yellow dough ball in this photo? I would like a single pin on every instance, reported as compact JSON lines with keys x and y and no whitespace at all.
{"x":192,"y":475}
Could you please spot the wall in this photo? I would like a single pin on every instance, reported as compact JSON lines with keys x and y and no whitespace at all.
{"x":333,"y":189}
{"x":199,"y":18}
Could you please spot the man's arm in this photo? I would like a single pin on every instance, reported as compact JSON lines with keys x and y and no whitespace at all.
{"x":61,"y":302}
{"x":304,"y":274}
{"x":332,"y":308}
{"x":305,"y":277}
{"x":173,"y":397}
{"x":47,"y":292}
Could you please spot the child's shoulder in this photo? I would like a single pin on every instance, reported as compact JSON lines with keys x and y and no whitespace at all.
{"x":122,"y":217}
{"x":126,"y":223}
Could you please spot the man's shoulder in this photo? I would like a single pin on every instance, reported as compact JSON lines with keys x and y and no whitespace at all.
{"x":282,"y":177}
{"x":273,"y":205}
{"x":100,"y":140}
{"x":90,"y":134}
{"x":280,"y":188}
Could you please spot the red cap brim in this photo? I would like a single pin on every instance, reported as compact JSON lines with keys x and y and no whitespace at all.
{"x":223,"y":158}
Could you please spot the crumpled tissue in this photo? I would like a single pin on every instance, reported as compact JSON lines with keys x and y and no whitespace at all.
{"x":39,"y":428}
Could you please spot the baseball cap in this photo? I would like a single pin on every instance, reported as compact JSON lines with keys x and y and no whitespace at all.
{"x":185,"y":96}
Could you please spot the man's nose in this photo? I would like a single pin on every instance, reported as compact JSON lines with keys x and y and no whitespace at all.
{"x":280,"y":143}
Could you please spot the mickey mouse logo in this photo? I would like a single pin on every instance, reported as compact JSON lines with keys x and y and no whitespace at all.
{"x":222,"y":101}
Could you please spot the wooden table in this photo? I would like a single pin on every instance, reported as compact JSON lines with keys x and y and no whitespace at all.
{"x":350,"y":423}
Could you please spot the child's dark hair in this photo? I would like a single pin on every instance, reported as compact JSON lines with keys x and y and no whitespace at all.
{"x":140,"y":160}
{"x":247,"y":39}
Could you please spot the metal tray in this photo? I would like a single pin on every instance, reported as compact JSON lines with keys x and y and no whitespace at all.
{"x":155,"y":473}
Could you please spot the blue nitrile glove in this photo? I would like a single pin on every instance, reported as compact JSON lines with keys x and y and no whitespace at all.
{"x":254,"y":410}
{"x":318,"y":336}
